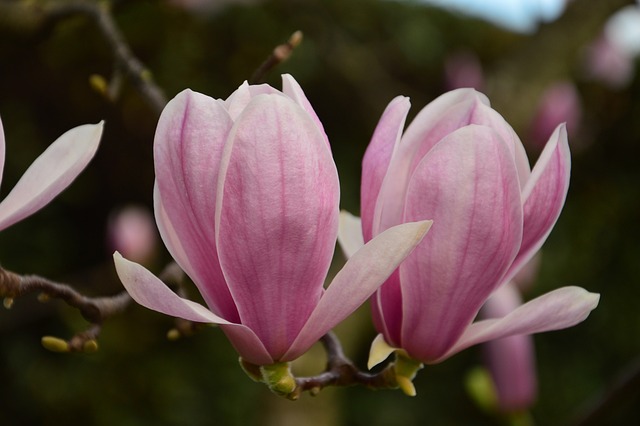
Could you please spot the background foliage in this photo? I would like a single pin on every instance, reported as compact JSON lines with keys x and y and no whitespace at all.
{"x":356,"y":56}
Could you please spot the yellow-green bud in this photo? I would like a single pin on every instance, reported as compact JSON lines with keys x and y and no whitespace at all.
{"x":55,"y":344}
{"x":90,"y":346}
{"x":8,"y":302}
{"x":406,"y":369}
{"x":173,"y":334}
{"x":480,"y":387}
{"x":99,"y":84}
{"x":279,"y":378}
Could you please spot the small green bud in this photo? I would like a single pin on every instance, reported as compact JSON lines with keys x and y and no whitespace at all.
{"x":405,"y":370}
{"x":8,"y":302}
{"x":481,"y":389}
{"x":173,"y":334}
{"x":43,"y":297}
{"x":99,"y":84}
{"x":90,"y":346}
{"x":55,"y":344}
{"x":279,"y":378}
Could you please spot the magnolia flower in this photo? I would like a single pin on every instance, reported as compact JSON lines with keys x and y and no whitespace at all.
{"x":246,"y":201}
{"x":460,"y":164}
{"x":50,"y":173}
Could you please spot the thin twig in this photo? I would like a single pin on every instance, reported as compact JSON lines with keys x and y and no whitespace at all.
{"x":280,"y":54}
{"x":39,"y":16}
{"x":342,"y":372}
{"x":595,"y":412}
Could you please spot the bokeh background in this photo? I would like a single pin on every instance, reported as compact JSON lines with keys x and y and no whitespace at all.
{"x":356,"y":56}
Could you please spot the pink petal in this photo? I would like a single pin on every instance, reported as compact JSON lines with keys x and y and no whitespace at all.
{"x":468,"y":185}
{"x":376,"y":162}
{"x":291,"y":88}
{"x":150,"y":292}
{"x":170,"y":237}
{"x":238,"y":100}
{"x":511,"y":360}
{"x":447,"y":113}
{"x":50,"y":173}
{"x":2,"y":150}
{"x":543,"y":196}
{"x":277,"y":222}
{"x":558,"y":309}
{"x":349,"y":233}
{"x":190,"y":136}
{"x":359,"y":278}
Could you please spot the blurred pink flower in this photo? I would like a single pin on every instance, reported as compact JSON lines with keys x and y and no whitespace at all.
{"x":463,"y":69}
{"x":50,"y":173}
{"x":511,"y":360}
{"x":606,"y":62}
{"x":560,"y":103}
{"x":460,"y":164}
{"x":132,"y":232}
{"x":246,"y":200}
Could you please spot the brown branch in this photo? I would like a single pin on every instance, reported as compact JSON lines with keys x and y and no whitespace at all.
{"x":39,"y":16}
{"x":341,"y":371}
{"x":280,"y":54}
{"x":622,"y":390}
{"x":95,"y":310}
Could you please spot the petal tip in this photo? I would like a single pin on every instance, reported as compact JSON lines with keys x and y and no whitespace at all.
{"x":380,"y":350}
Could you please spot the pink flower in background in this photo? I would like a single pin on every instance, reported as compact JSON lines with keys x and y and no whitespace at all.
{"x":611,"y":57}
{"x":246,"y":200}
{"x":511,"y":360}
{"x":50,"y":173}
{"x":560,"y":103}
{"x":605,"y":62}
{"x":460,"y":164}
{"x":463,"y":69}
{"x":132,"y":232}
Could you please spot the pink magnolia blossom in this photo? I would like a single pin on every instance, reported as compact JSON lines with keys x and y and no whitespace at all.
{"x":50,"y":173}
{"x":460,"y":164}
{"x":246,"y":200}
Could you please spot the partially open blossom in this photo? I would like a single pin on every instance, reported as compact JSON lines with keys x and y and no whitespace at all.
{"x":460,"y":164}
{"x":50,"y":173}
{"x":246,"y":201}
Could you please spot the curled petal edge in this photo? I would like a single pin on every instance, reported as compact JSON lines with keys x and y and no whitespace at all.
{"x":150,"y":292}
{"x":380,"y":350}
{"x":558,"y":309}
{"x":51,"y":173}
